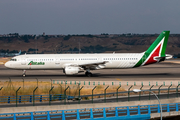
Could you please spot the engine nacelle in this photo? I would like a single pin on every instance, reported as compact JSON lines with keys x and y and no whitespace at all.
{"x":71,"y":70}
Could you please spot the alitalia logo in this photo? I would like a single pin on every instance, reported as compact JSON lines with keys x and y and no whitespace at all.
{"x":36,"y":63}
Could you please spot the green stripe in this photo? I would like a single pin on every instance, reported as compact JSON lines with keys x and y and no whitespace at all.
{"x":144,"y":57}
{"x":165,"y":43}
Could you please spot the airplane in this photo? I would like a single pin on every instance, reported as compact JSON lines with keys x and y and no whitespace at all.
{"x":72,"y":64}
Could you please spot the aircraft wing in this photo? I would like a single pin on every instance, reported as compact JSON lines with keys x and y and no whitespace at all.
{"x":94,"y":63}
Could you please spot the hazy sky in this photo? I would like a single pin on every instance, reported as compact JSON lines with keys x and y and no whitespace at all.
{"x":89,"y":16}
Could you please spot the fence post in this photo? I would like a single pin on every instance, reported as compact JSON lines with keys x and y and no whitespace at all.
{"x":79,"y":94}
{"x":168,"y":109}
{"x":105,"y":93}
{"x":63,"y":115}
{"x":33,"y":94}
{"x":177,"y":90}
{"x":16,"y":95}
{"x":150,"y":90}
{"x":104,"y":113}
{"x":92,"y":93}
{"x":9,"y":99}
{"x":140,"y":92}
{"x":159,"y":90}
{"x":78,"y":116}
{"x":40,"y":100}
{"x":128,"y":92}
{"x":69,"y":90}
{"x":159,"y":108}
{"x":48,"y":116}
{"x":116,"y":112}
{"x":1,"y":88}
{"x":23,"y":83}
{"x":168,"y":90}
{"x":60,"y":88}
{"x":117,"y":92}
{"x":51,"y":83}
{"x":65,"y":95}
{"x":32,"y":117}
{"x":149,"y":109}
{"x":30,"y":98}
{"x":37,"y":82}
{"x":50,"y":95}
{"x":19,"y":99}
{"x":128,"y":112}
{"x":177,"y":109}
{"x":139,"y":110}
{"x":14,"y":117}
{"x":91,"y":113}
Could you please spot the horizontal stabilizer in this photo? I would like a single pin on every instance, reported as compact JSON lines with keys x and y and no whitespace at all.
{"x":168,"y":56}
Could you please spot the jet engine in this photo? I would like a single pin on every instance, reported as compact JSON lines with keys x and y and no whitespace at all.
{"x":71,"y":70}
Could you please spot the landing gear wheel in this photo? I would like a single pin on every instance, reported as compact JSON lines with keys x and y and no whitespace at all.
{"x":24,"y":73}
{"x":88,"y":74}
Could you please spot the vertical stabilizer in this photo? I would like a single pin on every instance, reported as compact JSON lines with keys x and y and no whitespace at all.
{"x":156,"y":52}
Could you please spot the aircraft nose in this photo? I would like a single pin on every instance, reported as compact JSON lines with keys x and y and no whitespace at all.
{"x":7,"y":64}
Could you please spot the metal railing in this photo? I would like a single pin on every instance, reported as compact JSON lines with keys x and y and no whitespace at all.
{"x":29,"y":98}
{"x":138,"y":112}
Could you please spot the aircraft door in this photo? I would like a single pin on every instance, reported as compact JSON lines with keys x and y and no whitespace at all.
{"x":57,"y":61}
{"x":23,"y":60}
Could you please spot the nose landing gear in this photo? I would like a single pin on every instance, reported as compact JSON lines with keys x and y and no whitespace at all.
{"x":24,"y":73}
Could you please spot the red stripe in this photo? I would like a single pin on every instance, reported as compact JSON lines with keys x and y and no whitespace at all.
{"x":155,"y":54}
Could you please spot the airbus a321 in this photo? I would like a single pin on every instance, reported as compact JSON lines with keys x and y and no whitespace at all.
{"x":72,"y":64}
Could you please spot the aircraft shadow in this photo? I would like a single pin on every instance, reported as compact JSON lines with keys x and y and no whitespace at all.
{"x":96,"y":75}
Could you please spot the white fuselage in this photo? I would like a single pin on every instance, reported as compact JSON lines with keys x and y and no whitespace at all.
{"x":60,"y":61}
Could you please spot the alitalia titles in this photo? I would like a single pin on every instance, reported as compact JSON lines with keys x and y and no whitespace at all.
{"x":36,"y":63}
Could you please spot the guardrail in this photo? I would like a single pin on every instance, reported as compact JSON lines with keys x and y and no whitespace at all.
{"x":141,"y":112}
{"x":60,"y":97}
{"x":29,"y":98}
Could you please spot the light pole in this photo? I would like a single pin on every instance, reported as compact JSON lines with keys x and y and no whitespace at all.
{"x":138,"y":90}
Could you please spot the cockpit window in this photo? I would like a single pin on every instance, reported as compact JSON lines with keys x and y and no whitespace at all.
{"x":13,"y":59}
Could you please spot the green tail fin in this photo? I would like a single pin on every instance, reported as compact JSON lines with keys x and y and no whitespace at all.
{"x":162,"y":39}
{"x":156,"y":50}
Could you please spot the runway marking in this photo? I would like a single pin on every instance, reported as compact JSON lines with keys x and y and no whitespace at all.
{"x":118,"y":79}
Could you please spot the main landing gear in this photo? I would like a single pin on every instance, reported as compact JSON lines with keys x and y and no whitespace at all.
{"x":24,"y":73}
{"x":88,"y":74}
